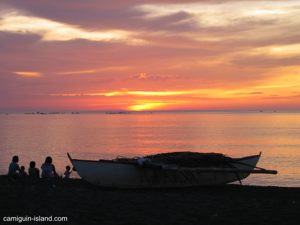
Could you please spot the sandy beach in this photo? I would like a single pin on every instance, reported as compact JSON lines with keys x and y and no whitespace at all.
{"x":83,"y":203}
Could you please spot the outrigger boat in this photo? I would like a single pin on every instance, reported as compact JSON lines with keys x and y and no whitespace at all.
{"x":168,"y":170}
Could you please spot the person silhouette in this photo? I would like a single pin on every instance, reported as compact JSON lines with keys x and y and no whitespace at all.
{"x":23,"y":172}
{"x":33,"y":172}
{"x":14,"y":169}
{"x":48,"y":169}
{"x":67,"y":172}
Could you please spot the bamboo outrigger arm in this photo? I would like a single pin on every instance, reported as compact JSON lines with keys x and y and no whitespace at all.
{"x":228,"y":170}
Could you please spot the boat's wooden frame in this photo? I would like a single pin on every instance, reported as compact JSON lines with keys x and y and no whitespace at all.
{"x":110,"y":173}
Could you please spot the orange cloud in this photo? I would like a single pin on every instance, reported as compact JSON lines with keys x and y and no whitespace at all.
{"x":93,"y":71}
{"x":28,"y":74}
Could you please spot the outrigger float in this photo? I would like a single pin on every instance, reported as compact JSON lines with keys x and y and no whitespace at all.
{"x":168,"y":170}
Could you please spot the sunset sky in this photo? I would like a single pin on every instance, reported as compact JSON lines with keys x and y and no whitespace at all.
{"x":149,"y":55}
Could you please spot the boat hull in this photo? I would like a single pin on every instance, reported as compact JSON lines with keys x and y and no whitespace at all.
{"x":124,"y":175}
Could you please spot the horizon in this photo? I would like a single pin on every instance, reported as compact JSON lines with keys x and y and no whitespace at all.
{"x":57,"y":112}
{"x":155,"y":55}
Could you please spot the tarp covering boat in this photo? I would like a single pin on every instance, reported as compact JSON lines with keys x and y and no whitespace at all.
{"x":184,"y":159}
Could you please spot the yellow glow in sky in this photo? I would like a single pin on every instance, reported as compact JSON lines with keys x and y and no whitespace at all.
{"x":276,"y":50}
{"x":95,"y":70}
{"x":138,"y":93}
{"x":147,"y":106}
{"x":28,"y":74}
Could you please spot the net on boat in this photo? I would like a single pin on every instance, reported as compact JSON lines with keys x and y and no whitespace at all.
{"x":191,"y":159}
{"x":185,"y":159}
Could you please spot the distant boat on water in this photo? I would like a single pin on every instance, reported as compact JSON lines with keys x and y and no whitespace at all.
{"x":168,"y":170}
{"x":119,"y":112}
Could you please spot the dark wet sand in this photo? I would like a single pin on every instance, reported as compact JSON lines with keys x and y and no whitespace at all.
{"x":86,"y":204}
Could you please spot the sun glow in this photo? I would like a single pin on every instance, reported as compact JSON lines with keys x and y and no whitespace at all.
{"x":147,"y":106}
{"x":270,"y":87}
{"x":136,"y":100}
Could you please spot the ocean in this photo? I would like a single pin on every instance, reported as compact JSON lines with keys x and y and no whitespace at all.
{"x":100,"y":135}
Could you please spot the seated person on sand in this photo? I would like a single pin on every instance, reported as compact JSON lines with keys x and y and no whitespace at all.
{"x":48,"y":169}
{"x":33,"y":172}
{"x":67,"y":172}
{"x":23,"y":172}
{"x":14,"y":169}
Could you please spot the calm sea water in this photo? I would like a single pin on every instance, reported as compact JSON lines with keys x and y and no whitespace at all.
{"x":94,"y":136}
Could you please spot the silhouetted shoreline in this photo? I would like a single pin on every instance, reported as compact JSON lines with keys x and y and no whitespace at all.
{"x":84,"y":203}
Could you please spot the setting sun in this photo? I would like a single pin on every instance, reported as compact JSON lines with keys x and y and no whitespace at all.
{"x":147,"y":106}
